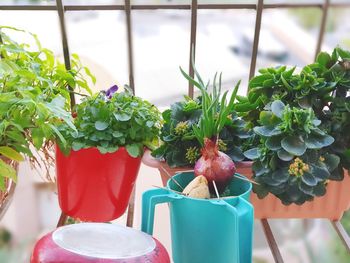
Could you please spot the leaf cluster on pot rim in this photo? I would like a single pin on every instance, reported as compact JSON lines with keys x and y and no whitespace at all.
{"x":109,"y":120}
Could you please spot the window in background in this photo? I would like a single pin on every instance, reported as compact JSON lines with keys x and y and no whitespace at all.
{"x":42,"y":23}
{"x":227,"y":2}
{"x":337,"y":29}
{"x":223,"y":45}
{"x":288,"y":37}
{"x":161,"y":45}
{"x":28,"y":2}
{"x":159,"y":2}
{"x":99,"y":37}
{"x":294,"y":1}
{"x":92,"y":2}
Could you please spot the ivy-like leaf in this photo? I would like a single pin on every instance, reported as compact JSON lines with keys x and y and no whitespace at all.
{"x":284,"y":155}
{"x":273,"y":143}
{"x":332,"y":161}
{"x":317,"y":141}
{"x":309,"y":179}
{"x":294,"y":145}
{"x":281,"y":175}
{"x":101,"y":125}
{"x":277,"y":108}
{"x":134,"y":150}
{"x":252,"y":154}
{"x":267,"y":131}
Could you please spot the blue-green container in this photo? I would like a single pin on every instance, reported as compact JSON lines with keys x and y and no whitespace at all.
{"x":205,"y":230}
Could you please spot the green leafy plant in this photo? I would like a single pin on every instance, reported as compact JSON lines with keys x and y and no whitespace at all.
{"x":34,"y":99}
{"x":109,"y":120}
{"x":335,"y":68}
{"x":180,"y":145}
{"x":323,"y":86}
{"x":306,"y":89}
{"x":215,"y":108}
{"x":289,"y":161}
{"x":216,"y":166}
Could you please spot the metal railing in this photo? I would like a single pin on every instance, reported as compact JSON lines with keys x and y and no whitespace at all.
{"x":127,"y":7}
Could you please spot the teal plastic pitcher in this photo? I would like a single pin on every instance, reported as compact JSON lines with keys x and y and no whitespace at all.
{"x":205,"y":230}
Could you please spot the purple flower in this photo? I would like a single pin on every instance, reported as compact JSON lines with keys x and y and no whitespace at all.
{"x":111,"y":91}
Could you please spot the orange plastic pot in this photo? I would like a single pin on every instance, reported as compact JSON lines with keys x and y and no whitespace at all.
{"x":93,"y":186}
{"x":331,"y":206}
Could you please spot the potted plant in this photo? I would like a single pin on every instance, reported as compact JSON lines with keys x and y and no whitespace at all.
{"x":196,"y":217}
{"x":33,"y":99}
{"x":180,"y":148}
{"x":314,"y":89}
{"x":97,"y":170}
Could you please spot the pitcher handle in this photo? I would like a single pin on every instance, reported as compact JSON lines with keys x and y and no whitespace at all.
{"x":150,"y":199}
{"x":244,"y":213}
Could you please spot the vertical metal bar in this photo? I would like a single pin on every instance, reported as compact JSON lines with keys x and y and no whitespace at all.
{"x":272,"y":242}
{"x":325,"y":9}
{"x":1,"y":42}
{"x":194,"y":8}
{"x":259,"y":10}
{"x":62,"y":220}
{"x":130,"y":44}
{"x":344,"y":236}
{"x":131,"y":209}
{"x":60,"y":10}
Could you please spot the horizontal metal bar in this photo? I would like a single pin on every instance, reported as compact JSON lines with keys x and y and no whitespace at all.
{"x":28,"y":7}
{"x":271,"y":241}
{"x":344,"y":236}
{"x":164,"y":7}
{"x":298,"y":5}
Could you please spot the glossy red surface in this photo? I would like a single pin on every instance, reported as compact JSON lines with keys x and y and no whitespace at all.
{"x":95,"y":187}
{"x":46,"y":251}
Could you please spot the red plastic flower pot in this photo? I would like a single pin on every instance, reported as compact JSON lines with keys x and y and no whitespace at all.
{"x":93,"y":186}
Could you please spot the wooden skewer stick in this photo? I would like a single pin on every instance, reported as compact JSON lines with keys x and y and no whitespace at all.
{"x":171,"y":178}
{"x":185,"y":171}
{"x":246,"y":179}
{"x":216,"y":190}
{"x":224,"y":197}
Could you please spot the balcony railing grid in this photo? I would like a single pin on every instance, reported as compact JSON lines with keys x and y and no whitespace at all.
{"x":127,"y":7}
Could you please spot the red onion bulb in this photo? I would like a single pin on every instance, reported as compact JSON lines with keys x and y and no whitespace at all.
{"x":214,"y":165}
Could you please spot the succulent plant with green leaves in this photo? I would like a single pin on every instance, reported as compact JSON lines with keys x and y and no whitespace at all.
{"x":322,"y":86}
{"x":289,"y":160}
{"x":180,"y":147}
{"x":306,"y":89}
{"x":335,"y":68}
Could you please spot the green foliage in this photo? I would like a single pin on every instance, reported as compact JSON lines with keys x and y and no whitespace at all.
{"x":183,"y":148}
{"x":215,"y":108}
{"x":323,"y":86}
{"x":289,"y":161}
{"x":335,"y":68}
{"x":34,"y":97}
{"x":122,"y":120}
